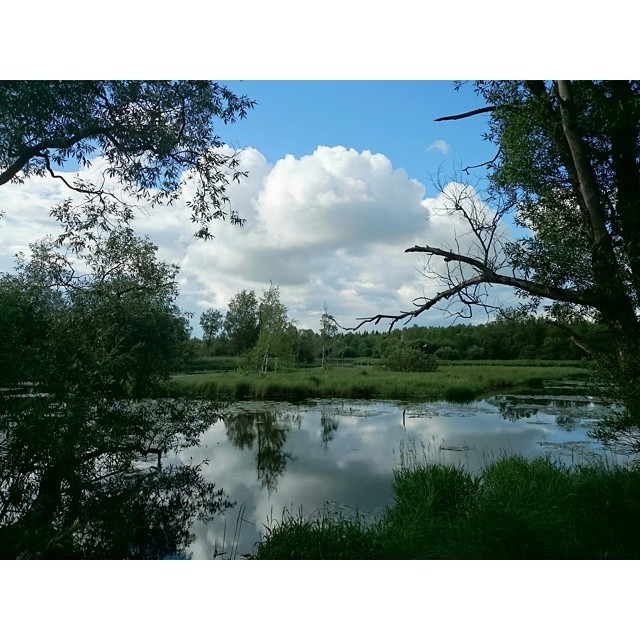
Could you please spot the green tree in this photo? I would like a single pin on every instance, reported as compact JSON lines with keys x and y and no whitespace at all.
{"x":90,"y":321}
{"x":567,"y":170}
{"x":155,"y":137}
{"x":241,"y":321}
{"x":276,"y":338}
{"x":211,"y":322}
{"x":328,"y":331}
{"x":83,"y":462}
{"x":306,"y":348}
{"x":406,"y":359}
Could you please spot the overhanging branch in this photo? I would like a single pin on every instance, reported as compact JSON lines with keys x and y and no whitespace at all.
{"x":485,"y":275}
{"x":28,"y":153}
{"x":467,"y":114}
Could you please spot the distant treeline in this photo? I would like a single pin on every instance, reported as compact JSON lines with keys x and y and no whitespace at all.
{"x":504,"y":339}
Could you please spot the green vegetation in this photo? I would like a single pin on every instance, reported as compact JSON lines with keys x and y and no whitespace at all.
{"x":402,"y":359}
{"x":90,"y":325}
{"x":514,"y":509}
{"x":459,"y":382}
{"x":509,"y":337}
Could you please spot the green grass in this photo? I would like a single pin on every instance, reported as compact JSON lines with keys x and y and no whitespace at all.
{"x":514,"y":509}
{"x":459,"y":382}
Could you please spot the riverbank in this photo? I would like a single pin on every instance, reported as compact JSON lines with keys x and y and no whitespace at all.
{"x":514,"y":509}
{"x":454,"y":382}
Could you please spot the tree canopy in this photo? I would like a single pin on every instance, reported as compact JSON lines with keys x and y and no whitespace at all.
{"x":149,"y":140}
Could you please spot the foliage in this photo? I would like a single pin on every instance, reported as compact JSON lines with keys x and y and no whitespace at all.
{"x":211,"y":322}
{"x":241,"y":324}
{"x":152,"y":138}
{"x":83,"y":448}
{"x":514,"y":509}
{"x":276,"y":337}
{"x":403,"y":359}
{"x":328,"y":332}
{"x":89,"y":463}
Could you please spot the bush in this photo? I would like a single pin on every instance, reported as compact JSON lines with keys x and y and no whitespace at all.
{"x":447,"y":353}
{"x":402,"y":359}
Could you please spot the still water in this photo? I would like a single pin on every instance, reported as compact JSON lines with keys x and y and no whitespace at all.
{"x":275,"y":456}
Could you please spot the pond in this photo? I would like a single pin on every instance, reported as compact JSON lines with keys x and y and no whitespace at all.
{"x":273,"y":456}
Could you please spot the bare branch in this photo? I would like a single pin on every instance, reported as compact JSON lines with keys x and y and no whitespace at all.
{"x":488,"y":163}
{"x":407,"y":315}
{"x":467,"y":114}
{"x":448,"y":256}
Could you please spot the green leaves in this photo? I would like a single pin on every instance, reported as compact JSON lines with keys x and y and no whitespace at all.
{"x":155,"y":136}
{"x":84,"y":467}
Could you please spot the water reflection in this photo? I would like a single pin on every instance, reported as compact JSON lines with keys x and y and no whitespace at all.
{"x":267,"y":430}
{"x":276,"y":456}
{"x":329,"y":425}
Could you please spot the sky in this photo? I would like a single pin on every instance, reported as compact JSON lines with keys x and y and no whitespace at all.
{"x":342,"y":148}
{"x":327,"y":224}
{"x":341,"y":180}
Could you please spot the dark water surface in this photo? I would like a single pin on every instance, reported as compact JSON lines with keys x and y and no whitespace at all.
{"x":275,"y":456}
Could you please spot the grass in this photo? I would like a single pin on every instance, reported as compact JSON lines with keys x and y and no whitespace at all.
{"x":459,"y":382}
{"x":513,"y":509}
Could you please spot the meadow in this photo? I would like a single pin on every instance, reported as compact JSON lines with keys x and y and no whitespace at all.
{"x":462,"y":381}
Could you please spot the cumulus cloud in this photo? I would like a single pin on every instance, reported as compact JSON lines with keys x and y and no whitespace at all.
{"x":442,"y":146}
{"x":330,"y":227}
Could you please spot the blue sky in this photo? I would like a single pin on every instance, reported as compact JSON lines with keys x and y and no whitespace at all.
{"x":395,"y":118}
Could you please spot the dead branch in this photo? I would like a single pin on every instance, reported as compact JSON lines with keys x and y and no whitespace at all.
{"x":467,"y":114}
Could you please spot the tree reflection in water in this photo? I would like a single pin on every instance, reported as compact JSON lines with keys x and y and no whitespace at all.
{"x":510,"y":410}
{"x":83,"y":479}
{"x":329,"y":425}
{"x":268,"y":431}
{"x":514,"y":408}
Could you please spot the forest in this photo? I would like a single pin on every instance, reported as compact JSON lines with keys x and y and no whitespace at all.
{"x":512,"y":336}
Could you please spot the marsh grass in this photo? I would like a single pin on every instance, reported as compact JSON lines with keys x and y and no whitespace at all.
{"x":513,"y":508}
{"x":457,"y":383}
{"x":333,"y":532}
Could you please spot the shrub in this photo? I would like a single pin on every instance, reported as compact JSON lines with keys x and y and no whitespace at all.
{"x":402,"y":359}
{"x":447,"y":353}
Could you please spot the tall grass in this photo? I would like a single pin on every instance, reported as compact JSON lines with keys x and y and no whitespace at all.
{"x":450,"y":382}
{"x":513,"y":509}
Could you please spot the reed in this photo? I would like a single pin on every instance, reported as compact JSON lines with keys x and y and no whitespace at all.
{"x":513,"y":509}
{"x":457,"y":383}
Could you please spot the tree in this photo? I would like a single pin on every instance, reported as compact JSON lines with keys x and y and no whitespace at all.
{"x":567,"y":169}
{"x":276,"y":334}
{"x":328,"y":331}
{"x":91,"y":329}
{"x":148,"y":139}
{"x":83,"y":461}
{"x":241,"y":321}
{"x":211,"y":322}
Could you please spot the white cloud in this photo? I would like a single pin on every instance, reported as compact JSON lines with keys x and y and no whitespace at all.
{"x":442,"y":146}
{"x":327,"y":227}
